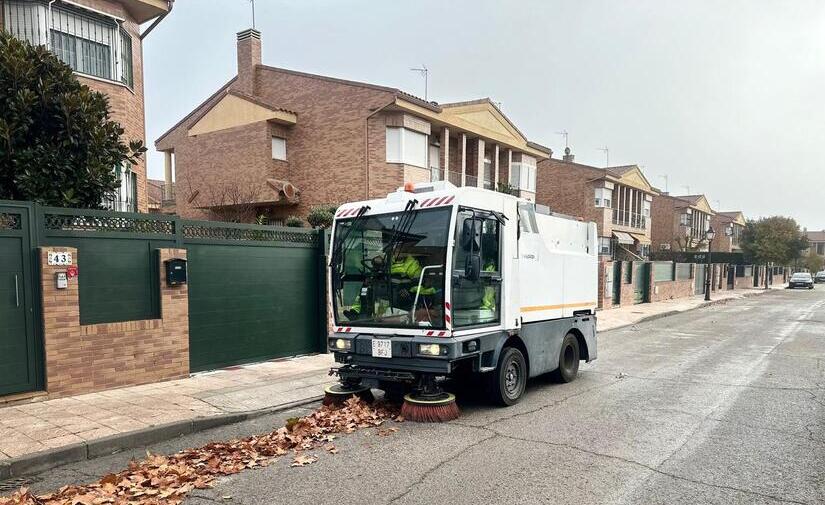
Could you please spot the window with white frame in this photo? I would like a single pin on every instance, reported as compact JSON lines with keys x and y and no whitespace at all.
{"x":523,"y":173}
{"x":605,"y":246}
{"x":278,"y":148}
{"x":646,"y":208}
{"x":406,"y":146}
{"x":684,"y":219}
{"x":604,"y":197}
{"x":90,"y":43}
{"x":124,"y":198}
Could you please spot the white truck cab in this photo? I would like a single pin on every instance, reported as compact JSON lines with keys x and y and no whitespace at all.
{"x":435,"y":281}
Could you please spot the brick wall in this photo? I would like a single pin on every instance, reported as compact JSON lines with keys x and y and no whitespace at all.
{"x":86,"y":358}
{"x":669,"y":290}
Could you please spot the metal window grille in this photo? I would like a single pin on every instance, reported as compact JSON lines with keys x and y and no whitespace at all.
{"x":89,"y":44}
{"x":126,"y":71}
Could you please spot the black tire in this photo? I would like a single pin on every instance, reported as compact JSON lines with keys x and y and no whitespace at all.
{"x":507,"y":383}
{"x":569,"y":357}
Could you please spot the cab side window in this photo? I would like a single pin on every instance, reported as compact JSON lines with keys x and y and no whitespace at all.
{"x":477,"y":298}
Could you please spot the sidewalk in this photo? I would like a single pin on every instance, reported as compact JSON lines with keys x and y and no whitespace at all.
{"x":47,"y":433}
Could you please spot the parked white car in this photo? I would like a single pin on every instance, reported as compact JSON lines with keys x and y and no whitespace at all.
{"x":819,"y":277}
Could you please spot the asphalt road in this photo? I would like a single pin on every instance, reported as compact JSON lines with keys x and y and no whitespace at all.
{"x":719,"y":405}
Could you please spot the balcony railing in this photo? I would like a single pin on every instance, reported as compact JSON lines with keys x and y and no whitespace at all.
{"x":630,"y":219}
{"x":437,"y":174}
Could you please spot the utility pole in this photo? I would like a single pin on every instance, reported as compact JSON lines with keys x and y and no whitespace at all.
{"x":565,"y":134}
{"x":606,"y":152}
{"x":425,"y":73}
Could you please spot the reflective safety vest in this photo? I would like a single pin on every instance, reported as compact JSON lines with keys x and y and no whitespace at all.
{"x":408,"y":267}
{"x":488,"y":301}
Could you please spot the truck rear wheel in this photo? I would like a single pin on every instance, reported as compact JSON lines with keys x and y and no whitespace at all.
{"x":508,"y":382}
{"x":569,"y":356}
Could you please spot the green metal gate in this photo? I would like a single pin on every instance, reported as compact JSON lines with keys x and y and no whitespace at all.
{"x":699,"y":279}
{"x":255,"y":293}
{"x":641,"y":281}
{"x":20,"y":352}
{"x":617,"y":282}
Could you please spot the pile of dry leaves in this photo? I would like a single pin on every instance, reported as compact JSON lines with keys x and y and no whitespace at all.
{"x":167,"y":479}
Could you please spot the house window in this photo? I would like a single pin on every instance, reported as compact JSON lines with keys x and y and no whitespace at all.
{"x":406,"y":146}
{"x":89,"y":43}
{"x":126,"y":72}
{"x":124,"y":198}
{"x":278,"y":148}
{"x":646,"y":208}
{"x":684,"y":219}
{"x":604,"y":197}
{"x":523,"y":174}
{"x":605,"y":246}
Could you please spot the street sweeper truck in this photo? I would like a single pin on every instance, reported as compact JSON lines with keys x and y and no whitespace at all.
{"x":436,"y":282}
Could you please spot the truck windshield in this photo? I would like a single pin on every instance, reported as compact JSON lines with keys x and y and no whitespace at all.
{"x":388,"y":269}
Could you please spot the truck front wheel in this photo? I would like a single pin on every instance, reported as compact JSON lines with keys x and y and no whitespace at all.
{"x":569,"y":356}
{"x":508,"y":382}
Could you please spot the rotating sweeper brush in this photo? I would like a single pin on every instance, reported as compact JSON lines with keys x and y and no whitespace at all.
{"x":339,"y":393}
{"x":428,"y":403}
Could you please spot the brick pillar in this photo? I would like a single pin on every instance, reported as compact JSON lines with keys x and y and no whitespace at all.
{"x":85,"y":358}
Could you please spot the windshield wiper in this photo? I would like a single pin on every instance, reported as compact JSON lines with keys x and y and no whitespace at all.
{"x":401,"y":229}
{"x":339,"y":246}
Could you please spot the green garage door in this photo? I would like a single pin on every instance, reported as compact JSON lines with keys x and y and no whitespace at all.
{"x":252,"y":302}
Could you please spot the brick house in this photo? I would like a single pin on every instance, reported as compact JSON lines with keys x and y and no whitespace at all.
{"x":617,"y":199}
{"x":729,"y":227}
{"x":102,"y":42}
{"x":274,"y":142}
{"x":816,"y":239}
{"x":680,"y":222}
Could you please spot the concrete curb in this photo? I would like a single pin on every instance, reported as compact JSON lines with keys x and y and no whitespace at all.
{"x":38,"y":462}
{"x":702,"y":305}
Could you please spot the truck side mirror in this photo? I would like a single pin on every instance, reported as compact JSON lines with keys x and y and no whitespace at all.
{"x":472,"y":267}
{"x":471,"y":235}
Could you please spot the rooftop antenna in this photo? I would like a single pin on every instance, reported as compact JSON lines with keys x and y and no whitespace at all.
{"x":687,"y":187}
{"x":252,"y":2}
{"x":606,"y":152}
{"x":425,"y":74}
{"x":666,"y":178}
{"x":565,"y":134}
{"x":718,"y":204}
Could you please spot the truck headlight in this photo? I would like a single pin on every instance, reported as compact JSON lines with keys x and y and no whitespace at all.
{"x":432,"y":349}
{"x":340,"y":344}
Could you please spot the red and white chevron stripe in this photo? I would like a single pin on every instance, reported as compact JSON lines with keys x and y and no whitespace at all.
{"x":437,"y":201}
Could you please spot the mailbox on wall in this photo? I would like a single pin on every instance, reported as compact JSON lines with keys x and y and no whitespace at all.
{"x":175,"y":271}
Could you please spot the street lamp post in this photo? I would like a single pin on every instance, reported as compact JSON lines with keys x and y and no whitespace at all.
{"x":709,"y":234}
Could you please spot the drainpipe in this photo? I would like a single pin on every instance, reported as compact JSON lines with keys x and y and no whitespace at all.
{"x":49,"y":26}
{"x":158,"y":19}
{"x":367,"y":147}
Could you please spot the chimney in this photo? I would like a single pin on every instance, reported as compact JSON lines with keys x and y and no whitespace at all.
{"x":249,"y":56}
{"x":567,"y":155}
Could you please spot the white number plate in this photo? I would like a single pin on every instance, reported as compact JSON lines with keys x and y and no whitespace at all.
{"x":59,"y":258}
{"x":381,"y":348}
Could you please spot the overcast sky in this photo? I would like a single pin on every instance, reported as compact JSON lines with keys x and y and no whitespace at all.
{"x":727,"y":98}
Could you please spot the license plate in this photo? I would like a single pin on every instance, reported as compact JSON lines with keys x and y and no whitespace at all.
{"x":381,"y":348}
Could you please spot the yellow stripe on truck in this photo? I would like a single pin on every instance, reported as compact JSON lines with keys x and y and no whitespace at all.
{"x":537,"y":308}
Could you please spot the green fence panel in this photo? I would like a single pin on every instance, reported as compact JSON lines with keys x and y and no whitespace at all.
{"x":662,"y":271}
{"x":683,"y":271}
{"x":254,"y":293}
{"x":117,"y":259}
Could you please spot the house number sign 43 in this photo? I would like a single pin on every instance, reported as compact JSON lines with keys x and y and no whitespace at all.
{"x":59,"y":258}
